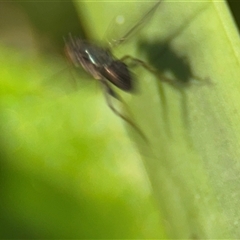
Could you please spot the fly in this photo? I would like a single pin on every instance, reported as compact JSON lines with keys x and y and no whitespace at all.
{"x":104,"y":67}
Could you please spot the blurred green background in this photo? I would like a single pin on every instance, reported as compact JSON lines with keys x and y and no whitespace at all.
{"x":67,"y":168}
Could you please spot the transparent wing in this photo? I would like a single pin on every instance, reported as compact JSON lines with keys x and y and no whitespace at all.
{"x":137,"y":26}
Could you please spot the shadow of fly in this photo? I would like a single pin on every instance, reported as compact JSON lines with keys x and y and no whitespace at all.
{"x":100,"y":63}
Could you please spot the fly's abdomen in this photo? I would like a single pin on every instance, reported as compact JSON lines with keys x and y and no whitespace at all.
{"x":118,"y":74}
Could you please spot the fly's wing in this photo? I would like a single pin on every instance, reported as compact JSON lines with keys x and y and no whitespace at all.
{"x":137,"y":26}
{"x":119,"y":75}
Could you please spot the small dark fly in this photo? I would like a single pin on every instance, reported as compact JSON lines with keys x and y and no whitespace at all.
{"x":103,"y":66}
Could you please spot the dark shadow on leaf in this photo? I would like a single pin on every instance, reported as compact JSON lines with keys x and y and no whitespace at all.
{"x":163,"y":59}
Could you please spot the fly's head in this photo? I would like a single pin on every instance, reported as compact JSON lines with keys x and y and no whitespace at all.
{"x":77,"y":51}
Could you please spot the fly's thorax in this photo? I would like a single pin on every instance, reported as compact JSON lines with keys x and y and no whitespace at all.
{"x":93,"y":59}
{"x":100,"y":57}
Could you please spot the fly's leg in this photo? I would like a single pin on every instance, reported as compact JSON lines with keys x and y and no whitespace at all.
{"x":137,"y":62}
{"x":162,"y":95}
{"x":108,"y":93}
{"x":133,"y":62}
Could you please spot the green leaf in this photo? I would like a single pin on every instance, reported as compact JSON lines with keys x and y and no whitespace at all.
{"x":191,"y":122}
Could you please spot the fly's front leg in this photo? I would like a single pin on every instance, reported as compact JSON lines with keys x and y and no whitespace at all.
{"x":108,"y":93}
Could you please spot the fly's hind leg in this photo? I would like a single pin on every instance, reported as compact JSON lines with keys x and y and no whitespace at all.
{"x":134,"y":62}
{"x":108,"y":93}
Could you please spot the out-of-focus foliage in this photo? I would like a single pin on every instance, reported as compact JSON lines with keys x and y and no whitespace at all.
{"x":67,"y":169}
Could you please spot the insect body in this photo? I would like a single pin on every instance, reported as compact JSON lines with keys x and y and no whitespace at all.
{"x":100,"y":63}
{"x":103,"y":66}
